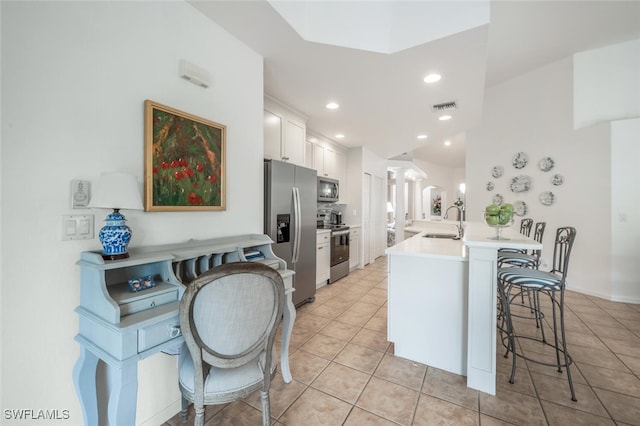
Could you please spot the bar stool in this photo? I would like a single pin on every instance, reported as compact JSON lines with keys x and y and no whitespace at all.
{"x":552,"y":283}
{"x":526,"y":260}
{"x":525,"y":229}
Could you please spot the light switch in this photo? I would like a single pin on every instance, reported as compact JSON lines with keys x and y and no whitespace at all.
{"x":77,"y":227}
{"x":70,"y":227}
{"x":83,"y":226}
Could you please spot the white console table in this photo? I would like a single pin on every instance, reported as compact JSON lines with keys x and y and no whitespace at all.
{"x":120,"y":327}
{"x":481,"y":344}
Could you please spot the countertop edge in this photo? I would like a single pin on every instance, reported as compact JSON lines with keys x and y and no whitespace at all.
{"x":414,"y":247}
{"x":426,"y":255}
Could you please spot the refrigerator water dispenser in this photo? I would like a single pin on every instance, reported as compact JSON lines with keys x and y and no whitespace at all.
{"x":282,"y":223}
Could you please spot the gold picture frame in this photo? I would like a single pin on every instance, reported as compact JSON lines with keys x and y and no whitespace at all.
{"x":184,"y":161}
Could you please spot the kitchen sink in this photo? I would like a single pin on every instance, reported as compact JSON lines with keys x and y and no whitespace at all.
{"x":447,"y":236}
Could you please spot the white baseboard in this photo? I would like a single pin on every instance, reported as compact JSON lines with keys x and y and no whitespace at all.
{"x":164,"y":415}
{"x":612,"y":298}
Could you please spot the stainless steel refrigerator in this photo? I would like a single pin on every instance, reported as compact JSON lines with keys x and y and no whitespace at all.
{"x":290,"y":204}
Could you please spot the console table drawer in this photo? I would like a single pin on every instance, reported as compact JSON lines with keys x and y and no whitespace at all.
{"x":145,"y":303}
{"x":158,"y":333}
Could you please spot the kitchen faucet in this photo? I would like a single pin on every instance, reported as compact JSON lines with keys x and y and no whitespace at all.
{"x":460,"y":228}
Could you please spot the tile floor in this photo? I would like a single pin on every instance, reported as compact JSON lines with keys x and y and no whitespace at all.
{"x":344,"y":371}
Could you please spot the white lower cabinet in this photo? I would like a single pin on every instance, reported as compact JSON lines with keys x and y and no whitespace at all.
{"x":354,"y":247}
{"x":323,"y":257}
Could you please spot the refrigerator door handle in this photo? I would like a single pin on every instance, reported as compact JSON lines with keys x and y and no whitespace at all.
{"x":297,"y":226}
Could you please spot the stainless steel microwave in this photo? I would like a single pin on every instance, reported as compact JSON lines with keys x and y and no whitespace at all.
{"x":328,"y":190}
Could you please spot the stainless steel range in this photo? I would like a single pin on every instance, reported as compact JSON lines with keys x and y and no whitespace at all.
{"x":339,"y":251}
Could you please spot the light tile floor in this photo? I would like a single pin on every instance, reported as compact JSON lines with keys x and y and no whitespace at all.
{"x":345,"y":373}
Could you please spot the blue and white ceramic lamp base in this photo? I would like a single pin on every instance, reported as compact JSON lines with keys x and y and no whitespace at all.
{"x":115,"y":237}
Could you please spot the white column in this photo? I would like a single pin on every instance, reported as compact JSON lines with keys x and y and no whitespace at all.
{"x":417,"y":199}
{"x":481,"y":317}
{"x":400,"y":201}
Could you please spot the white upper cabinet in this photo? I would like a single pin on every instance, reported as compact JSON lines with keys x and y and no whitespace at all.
{"x":318,"y":159}
{"x":329,"y":162}
{"x":339,"y":169}
{"x":308,"y":154}
{"x":293,"y":147}
{"x":272,"y":135}
{"x":284,"y":135}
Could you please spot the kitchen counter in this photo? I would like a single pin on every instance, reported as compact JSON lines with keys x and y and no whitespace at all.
{"x":479,"y":234}
{"x":442,"y":300}
{"x":435,"y":226}
{"x":420,"y":246}
{"x":482,"y":290}
{"x":427,"y":301}
{"x":432,"y":225}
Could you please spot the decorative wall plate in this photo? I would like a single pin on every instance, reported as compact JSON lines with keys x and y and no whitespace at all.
{"x":497,"y":171}
{"x":520,"y":208}
{"x":520,"y":160}
{"x":557,"y":179}
{"x":546,"y":164}
{"x":490,"y":186}
{"x":520,"y":184}
{"x":547,"y":198}
{"x":497,"y":199}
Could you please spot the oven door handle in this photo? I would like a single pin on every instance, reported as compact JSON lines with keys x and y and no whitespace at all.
{"x":339,"y":233}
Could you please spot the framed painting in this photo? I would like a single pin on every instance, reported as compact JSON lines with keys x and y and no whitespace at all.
{"x":184,"y":161}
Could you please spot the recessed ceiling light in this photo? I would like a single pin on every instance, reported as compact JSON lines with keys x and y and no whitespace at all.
{"x":432,"y":78}
{"x":339,"y":136}
{"x":444,"y":117}
{"x":332,"y":105}
{"x":422,"y":136}
{"x":447,"y":143}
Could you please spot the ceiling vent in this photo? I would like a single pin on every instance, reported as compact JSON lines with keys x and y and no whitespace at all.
{"x":447,"y":106}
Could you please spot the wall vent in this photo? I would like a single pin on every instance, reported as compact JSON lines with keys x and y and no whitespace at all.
{"x":444,"y":107}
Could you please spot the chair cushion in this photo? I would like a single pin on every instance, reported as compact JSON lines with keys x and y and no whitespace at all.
{"x":221,"y":381}
{"x":531,"y":278}
{"x":518,"y":259}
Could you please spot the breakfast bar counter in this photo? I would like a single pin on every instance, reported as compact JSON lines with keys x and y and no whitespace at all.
{"x":483,"y":248}
{"x":442,"y":300}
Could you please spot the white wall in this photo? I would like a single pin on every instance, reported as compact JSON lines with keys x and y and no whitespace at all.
{"x":353,"y":213}
{"x":1,"y":221}
{"x":74,"y":78}
{"x":533,"y":113}
{"x":445,"y":178}
{"x":606,"y":84}
{"x":625,"y":210}
{"x":360,"y":161}
{"x":376,"y":166}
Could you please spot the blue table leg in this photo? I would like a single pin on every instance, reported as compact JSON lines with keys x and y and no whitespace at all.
{"x":84,"y":379}
{"x":124,"y":394}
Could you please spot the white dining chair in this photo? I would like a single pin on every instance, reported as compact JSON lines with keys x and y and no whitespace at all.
{"x":229,"y":316}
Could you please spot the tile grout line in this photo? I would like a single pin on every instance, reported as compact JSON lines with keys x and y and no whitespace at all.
{"x":332,"y":360}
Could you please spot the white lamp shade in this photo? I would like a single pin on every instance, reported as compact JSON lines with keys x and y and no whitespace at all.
{"x":389,"y":207}
{"x":116,"y":191}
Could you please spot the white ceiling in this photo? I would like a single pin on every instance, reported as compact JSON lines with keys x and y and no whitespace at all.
{"x":384,"y":104}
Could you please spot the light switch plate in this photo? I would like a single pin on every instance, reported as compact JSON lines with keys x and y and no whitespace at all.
{"x":80,"y":194}
{"x":77,"y":227}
